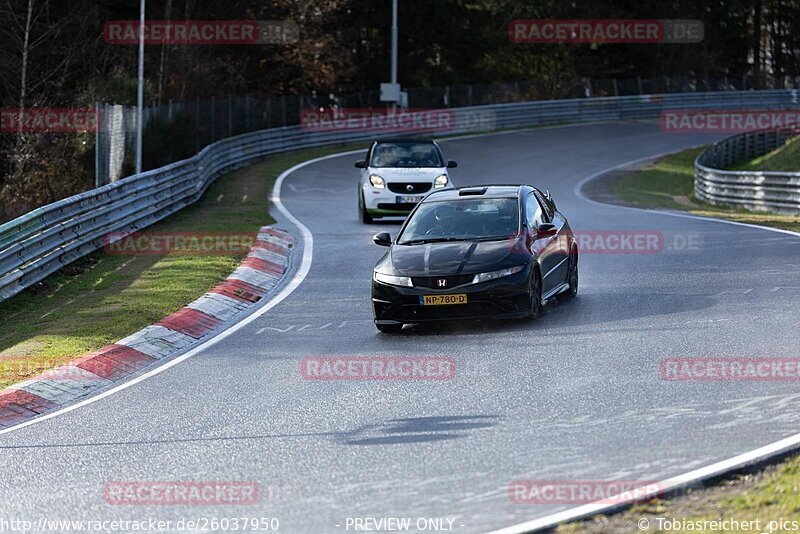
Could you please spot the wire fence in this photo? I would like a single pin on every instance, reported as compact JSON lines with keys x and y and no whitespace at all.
{"x":46,"y":239}
{"x":178,"y":130}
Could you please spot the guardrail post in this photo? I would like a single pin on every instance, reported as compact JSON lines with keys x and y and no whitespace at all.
{"x":213,"y":119}
{"x":197,"y":124}
{"x":247,"y":112}
{"x":97,"y":122}
{"x":230,"y":116}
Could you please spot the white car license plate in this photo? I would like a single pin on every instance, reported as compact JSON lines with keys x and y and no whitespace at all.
{"x":408,"y":200}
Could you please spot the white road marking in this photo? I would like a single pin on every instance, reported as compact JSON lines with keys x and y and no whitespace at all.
{"x":686,"y":479}
{"x":326,"y":325}
{"x":734,"y":292}
{"x":314,"y":190}
{"x":578,"y":193}
{"x":297,"y":279}
{"x":544,"y":522}
{"x":277,"y":329}
{"x":315,"y":327}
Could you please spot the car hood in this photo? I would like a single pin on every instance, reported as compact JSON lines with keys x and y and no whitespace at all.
{"x":461,"y":257}
{"x":410,"y":174}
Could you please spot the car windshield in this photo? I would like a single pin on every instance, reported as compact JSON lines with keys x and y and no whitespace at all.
{"x":462,"y":220}
{"x":406,"y":155}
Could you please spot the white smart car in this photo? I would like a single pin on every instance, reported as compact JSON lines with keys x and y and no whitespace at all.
{"x":397,"y":174}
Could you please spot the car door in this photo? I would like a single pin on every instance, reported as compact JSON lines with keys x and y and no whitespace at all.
{"x":556,"y":219}
{"x":545,"y":248}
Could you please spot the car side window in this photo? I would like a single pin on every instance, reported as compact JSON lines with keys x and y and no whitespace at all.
{"x":548,"y":208}
{"x":533,"y":213}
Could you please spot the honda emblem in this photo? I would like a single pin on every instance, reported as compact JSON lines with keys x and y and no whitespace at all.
{"x":442,"y":282}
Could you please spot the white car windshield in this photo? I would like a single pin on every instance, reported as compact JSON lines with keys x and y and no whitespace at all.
{"x":462,"y":220}
{"x":406,"y":155}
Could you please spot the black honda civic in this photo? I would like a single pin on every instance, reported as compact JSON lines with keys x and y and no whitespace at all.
{"x":498,"y":251}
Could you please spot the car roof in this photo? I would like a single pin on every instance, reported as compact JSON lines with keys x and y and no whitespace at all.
{"x":403,"y":140}
{"x":491,"y":191}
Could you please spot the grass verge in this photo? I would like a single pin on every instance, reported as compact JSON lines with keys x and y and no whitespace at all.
{"x":784,"y":158}
{"x":769,"y":495}
{"x":105,"y":297}
{"x":669,"y":183}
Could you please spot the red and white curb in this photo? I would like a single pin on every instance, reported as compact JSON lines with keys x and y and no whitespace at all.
{"x":260,"y":272}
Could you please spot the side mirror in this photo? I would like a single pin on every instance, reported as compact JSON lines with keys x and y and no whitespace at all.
{"x":383,"y":239}
{"x":549,"y":197}
{"x":452,"y":164}
{"x":546,"y":230}
{"x":361,"y":164}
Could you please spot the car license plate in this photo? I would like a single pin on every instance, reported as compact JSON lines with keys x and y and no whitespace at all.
{"x":408,"y":200}
{"x":442,"y":300}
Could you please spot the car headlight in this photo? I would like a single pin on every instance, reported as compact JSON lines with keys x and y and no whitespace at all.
{"x":485,"y":277}
{"x":440,"y":181}
{"x":392,"y":280}
{"x":376,"y":181}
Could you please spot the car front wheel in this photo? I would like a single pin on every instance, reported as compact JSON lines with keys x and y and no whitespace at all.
{"x":535,"y":294}
{"x":363,"y":215}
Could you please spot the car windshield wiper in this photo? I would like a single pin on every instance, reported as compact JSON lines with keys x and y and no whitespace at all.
{"x":430,"y":240}
{"x":494,"y":238}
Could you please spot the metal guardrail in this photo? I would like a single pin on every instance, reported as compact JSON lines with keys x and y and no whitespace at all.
{"x":774,"y":191}
{"x":41,"y":242}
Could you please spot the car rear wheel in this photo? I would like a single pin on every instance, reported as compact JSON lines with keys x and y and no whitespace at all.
{"x":363,"y":215}
{"x":390,"y":328}
{"x":572,"y":275}
{"x":535,"y":295}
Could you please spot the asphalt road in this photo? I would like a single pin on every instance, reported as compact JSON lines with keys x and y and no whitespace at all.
{"x":575,"y":394}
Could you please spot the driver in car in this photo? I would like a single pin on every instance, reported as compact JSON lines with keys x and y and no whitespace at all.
{"x":445,"y":216}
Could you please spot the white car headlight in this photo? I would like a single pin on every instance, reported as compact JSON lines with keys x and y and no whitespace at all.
{"x":376,"y":181}
{"x":392,"y":280}
{"x":485,"y":277}
{"x":440,"y":181}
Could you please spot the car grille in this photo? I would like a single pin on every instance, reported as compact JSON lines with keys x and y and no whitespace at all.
{"x":432,"y":282}
{"x":402,"y":187}
{"x":432,"y":313}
